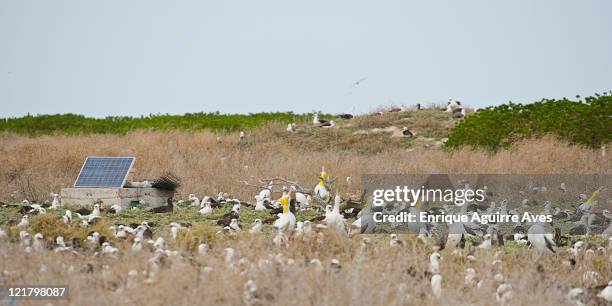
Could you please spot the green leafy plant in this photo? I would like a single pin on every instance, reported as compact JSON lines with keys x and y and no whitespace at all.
{"x":79,"y":124}
{"x":585,"y":122}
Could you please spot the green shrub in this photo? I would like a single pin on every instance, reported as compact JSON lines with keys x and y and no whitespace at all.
{"x":51,"y":225}
{"x":198,"y":233}
{"x":79,"y":124}
{"x":587,"y":122}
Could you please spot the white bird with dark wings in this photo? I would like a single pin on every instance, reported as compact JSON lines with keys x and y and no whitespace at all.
{"x":541,"y":241}
{"x":94,"y":214}
{"x":266,"y":193}
{"x":259,"y":203}
{"x":206,"y":209}
{"x":193,"y":200}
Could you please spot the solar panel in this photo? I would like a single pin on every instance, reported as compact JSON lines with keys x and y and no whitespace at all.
{"x":108,"y":172}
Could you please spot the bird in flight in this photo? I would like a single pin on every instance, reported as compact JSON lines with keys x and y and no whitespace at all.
{"x":358,"y":82}
{"x":354,"y":84}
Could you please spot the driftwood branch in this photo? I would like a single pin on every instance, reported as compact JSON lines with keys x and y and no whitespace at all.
{"x":299,"y":188}
{"x":252,"y":185}
{"x":277,"y":181}
{"x":346,"y":204}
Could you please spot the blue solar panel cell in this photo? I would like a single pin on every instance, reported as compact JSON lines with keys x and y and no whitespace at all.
{"x":104,"y":172}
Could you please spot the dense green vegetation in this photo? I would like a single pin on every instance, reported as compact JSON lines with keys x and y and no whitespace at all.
{"x":78,"y":124}
{"x":586,"y":122}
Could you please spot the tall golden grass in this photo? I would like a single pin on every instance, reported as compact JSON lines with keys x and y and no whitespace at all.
{"x":371,"y":276}
{"x":32,"y":167}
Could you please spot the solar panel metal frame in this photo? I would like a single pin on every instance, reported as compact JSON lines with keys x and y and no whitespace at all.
{"x":133,"y":160}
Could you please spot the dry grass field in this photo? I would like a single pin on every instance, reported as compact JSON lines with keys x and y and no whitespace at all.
{"x":32,"y":167}
{"x":369,"y":274}
{"x":376,"y":275}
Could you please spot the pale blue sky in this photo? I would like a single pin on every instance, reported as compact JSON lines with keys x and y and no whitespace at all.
{"x":128,"y":57}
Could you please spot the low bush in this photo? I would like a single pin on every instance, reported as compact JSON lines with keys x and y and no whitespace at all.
{"x":585,"y":122}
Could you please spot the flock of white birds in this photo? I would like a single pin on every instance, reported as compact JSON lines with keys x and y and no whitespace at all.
{"x":287,"y":228}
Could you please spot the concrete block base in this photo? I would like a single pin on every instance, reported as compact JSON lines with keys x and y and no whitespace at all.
{"x":112,"y":196}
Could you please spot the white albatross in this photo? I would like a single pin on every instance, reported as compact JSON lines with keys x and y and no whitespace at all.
{"x":355,"y":227}
{"x":25,"y":241}
{"x":486,"y":243}
{"x":256,"y":228}
{"x":434,"y":262}
{"x":56,"y":201}
{"x":193,"y":200}
{"x":541,"y":242}
{"x":121,"y":233}
{"x":328,"y":125}
{"x":452,"y":105}
{"x":406,"y":132}
{"x":575,"y":295}
{"x":234,"y":225}
{"x":159,"y":243}
{"x":108,"y":249}
{"x":436,"y":285}
{"x":291,"y":127}
{"x":503,"y":294}
{"x":259,"y":204}
{"x":175,"y":228}
{"x":38,"y":244}
{"x":94,"y":214}
{"x":606,"y":293}
{"x":37,"y":208}
{"x":206,"y":209}
{"x":394,"y":241}
{"x":302,"y":200}
{"x":202,"y":249}
{"x":137,"y":245}
{"x":60,"y":245}
{"x":471,"y":279}
{"x":266,"y":193}
{"x":334,"y":218}
{"x":280,"y":239}
{"x":24,"y":221}
{"x":115,"y":209}
{"x":317,"y":121}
